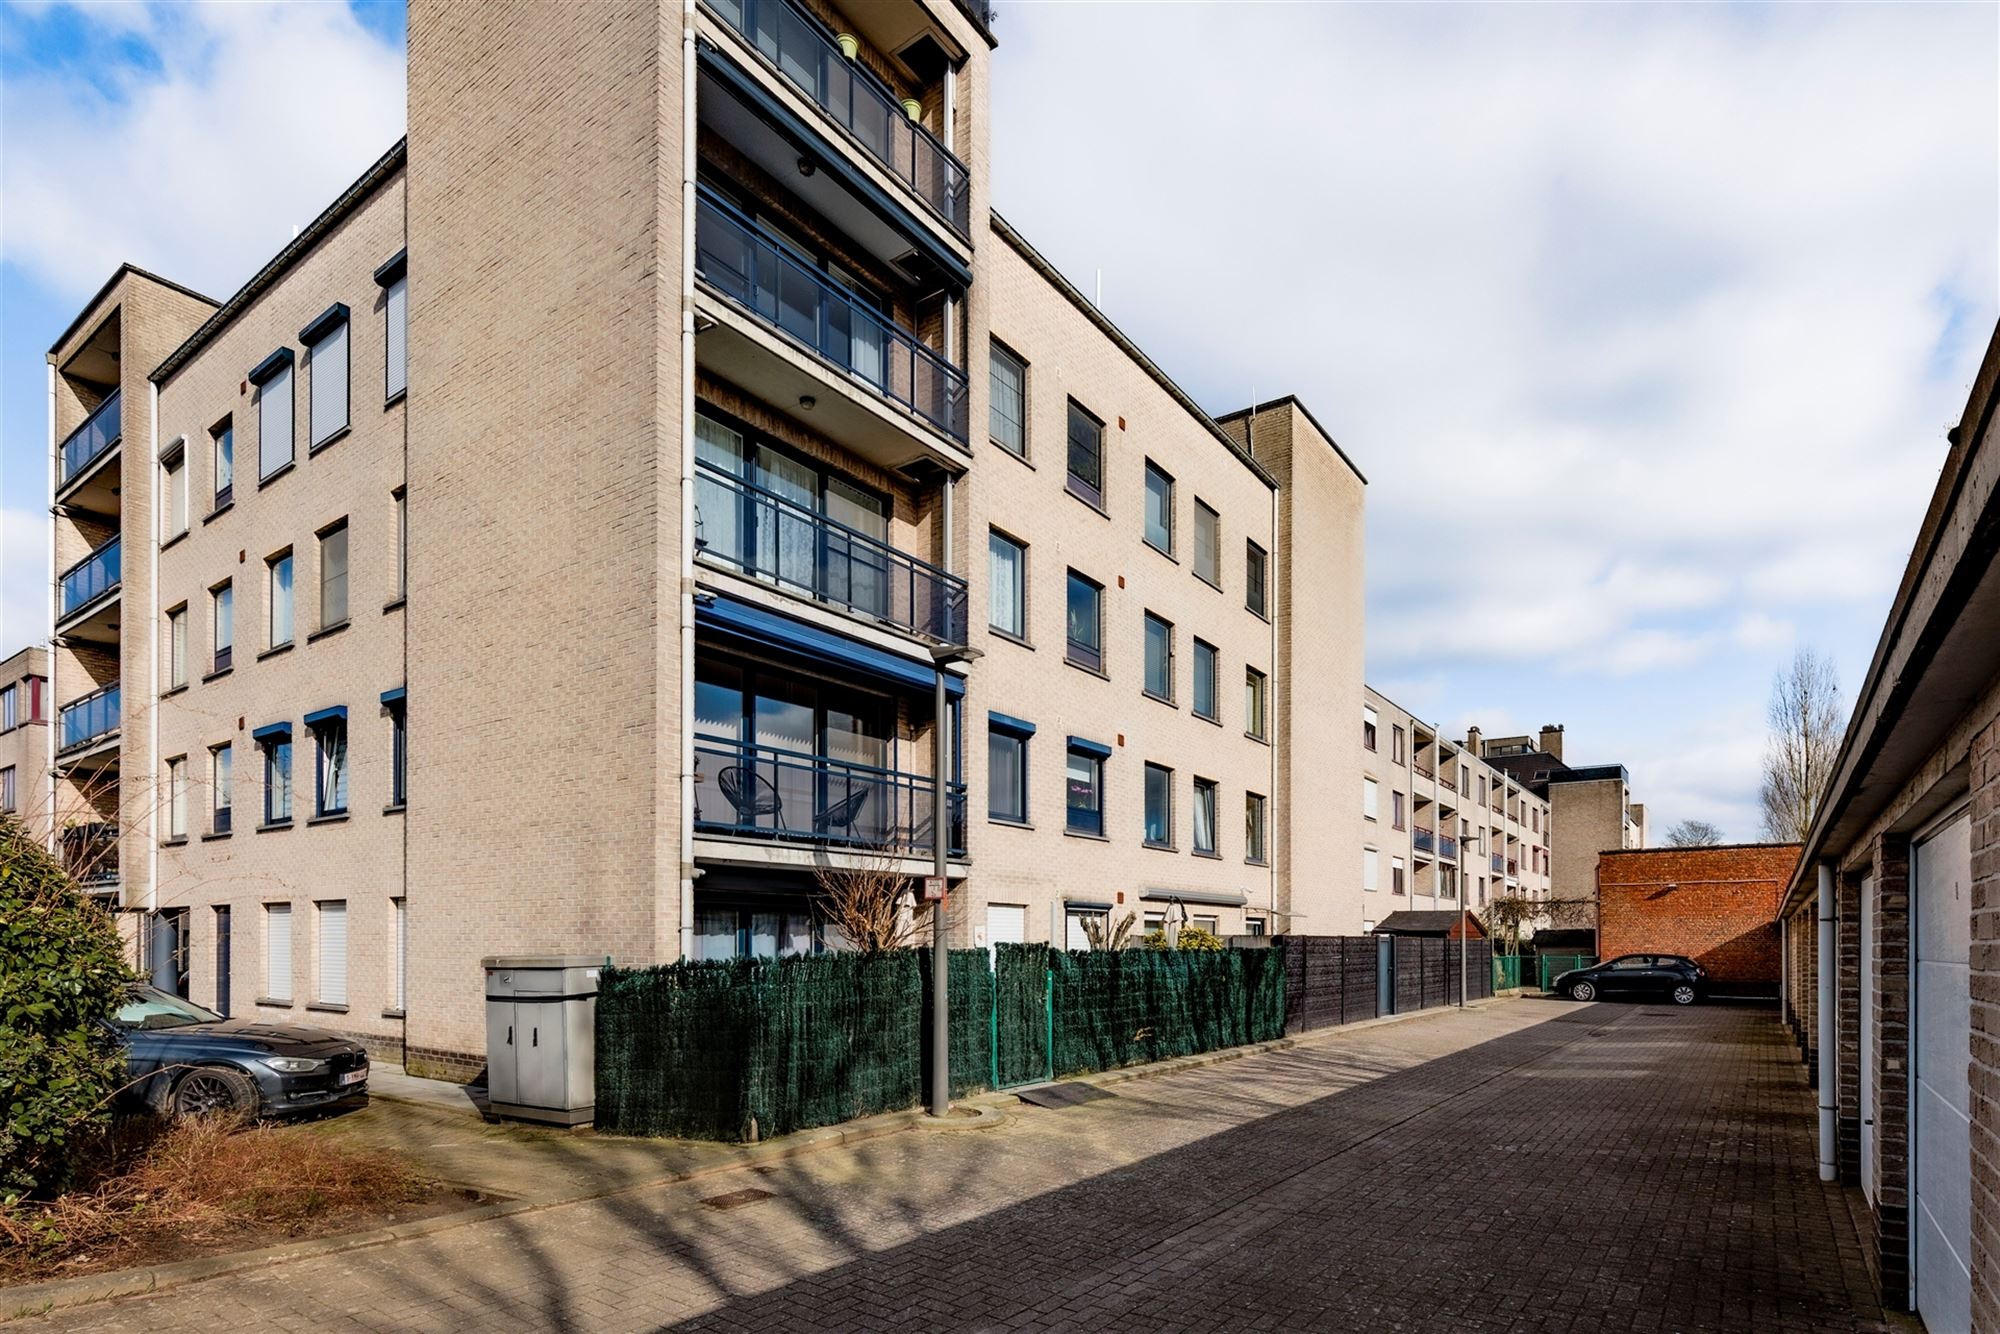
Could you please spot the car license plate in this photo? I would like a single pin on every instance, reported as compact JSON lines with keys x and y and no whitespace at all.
{"x":353,"y":1076}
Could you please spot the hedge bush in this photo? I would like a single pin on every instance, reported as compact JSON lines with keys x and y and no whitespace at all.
{"x":62,"y":974}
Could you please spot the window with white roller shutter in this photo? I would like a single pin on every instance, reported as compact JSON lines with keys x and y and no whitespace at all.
{"x":278,"y":951}
{"x":332,"y":952}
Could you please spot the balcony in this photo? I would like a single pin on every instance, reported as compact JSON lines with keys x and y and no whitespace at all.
{"x":802,"y":50}
{"x":90,"y":720}
{"x":1424,"y":840}
{"x":760,"y":791}
{"x":92,"y":440}
{"x":90,"y":855}
{"x":1499,"y":862}
{"x":94,"y":577}
{"x":1422,"y":772}
{"x":772,"y":299}
{"x":767,"y":537}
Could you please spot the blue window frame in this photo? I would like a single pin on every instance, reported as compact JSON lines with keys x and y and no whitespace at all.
{"x":1086,"y":622}
{"x":329,"y":729}
{"x":1159,"y":806}
{"x":276,"y":742}
{"x":1084,"y":799}
{"x":1007,"y":767}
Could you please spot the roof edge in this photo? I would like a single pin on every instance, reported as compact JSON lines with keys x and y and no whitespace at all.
{"x":1698,"y":847}
{"x":1306,"y":412}
{"x":294,"y":250}
{"x":1040,"y":263}
{"x":97,"y":299}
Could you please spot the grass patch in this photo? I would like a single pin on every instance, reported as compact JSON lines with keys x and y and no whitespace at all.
{"x":147,"y":1192}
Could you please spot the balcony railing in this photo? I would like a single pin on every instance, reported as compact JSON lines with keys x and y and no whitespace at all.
{"x":91,"y":439}
{"x":92,"y":577}
{"x":1447,"y":847}
{"x":1446,"y":782}
{"x":793,"y":797}
{"x":1499,"y":862}
{"x":769,"y":537}
{"x":91,"y":718}
{"x":1422,"y":772}
{"x":800,"y":48}
{"x":779,"y":286}
{"x":90,"y":854}
{"x":1425,"y":839}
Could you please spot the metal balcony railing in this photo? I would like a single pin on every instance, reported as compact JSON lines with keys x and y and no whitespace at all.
{"x":91,"y":439}
{"x":1424,"y":839}
{"x":801,"y":49}
{"x":793,"y":797}
{"x":90,"y":854}
{"x":1446,"y":782}
{"x":782,"y":288}
{"x":91,"y":718}
{"x":769,"y":537}
{"x":1422,"y":772}
{"x":92,"y":577}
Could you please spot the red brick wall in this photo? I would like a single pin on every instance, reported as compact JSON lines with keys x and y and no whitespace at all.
{"x":1718,"y":906}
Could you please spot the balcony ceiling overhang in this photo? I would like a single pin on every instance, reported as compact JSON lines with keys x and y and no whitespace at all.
{"x":99,"y":756}
{"x":96,"y":488}
{"x":767,"y":132}
{"x":94,"y":623}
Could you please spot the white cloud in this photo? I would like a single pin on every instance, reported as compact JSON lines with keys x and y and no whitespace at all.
{"x":256,"y":118}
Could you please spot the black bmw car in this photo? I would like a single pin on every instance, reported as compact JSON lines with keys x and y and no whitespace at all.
{"x":1636,"y":977}
{"x":186,"y":1061}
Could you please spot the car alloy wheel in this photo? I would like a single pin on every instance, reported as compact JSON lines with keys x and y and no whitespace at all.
{"x":1683,"y":994}
{"x":1582,"y":991}
{"x":213,"y":1091}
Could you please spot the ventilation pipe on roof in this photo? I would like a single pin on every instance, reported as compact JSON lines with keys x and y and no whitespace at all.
{"x":1824,"y":977}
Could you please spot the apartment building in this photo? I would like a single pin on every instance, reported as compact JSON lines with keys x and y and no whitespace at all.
{"x":1440,"y":827}
{"x":562,"y":544}
{"x":24,"y":741}
{"x":1591,"y":807}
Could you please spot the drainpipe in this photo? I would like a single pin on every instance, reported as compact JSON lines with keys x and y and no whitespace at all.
{"x":1824,"y":976}
{"x":49,"y":702}
{"x":686,"y":850}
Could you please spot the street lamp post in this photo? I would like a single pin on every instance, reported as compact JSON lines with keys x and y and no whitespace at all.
{"x":940,"y":1090}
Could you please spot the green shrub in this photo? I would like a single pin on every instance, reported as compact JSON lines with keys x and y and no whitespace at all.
{"x":62,"y":973}
{"x":1192,"y":938}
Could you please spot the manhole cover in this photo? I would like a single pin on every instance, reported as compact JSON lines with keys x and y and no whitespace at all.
{"x":1062,"y":1095}
{"x":736,"y":1199}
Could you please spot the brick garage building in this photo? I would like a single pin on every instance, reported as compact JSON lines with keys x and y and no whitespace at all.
{"x":1718,"y":906}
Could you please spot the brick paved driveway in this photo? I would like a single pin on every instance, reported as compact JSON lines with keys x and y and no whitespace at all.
{"x":1525,"y":1166}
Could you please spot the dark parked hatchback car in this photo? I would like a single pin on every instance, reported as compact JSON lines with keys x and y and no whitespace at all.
{"x":185,"y":1060}
{"x":1636,"y":977}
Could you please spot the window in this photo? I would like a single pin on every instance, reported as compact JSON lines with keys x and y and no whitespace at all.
{"x":9,"y":799}
{"x":278,"y":951}
{"x":1006,"y":585}
{"x":1207,"y":544}
{"x":333,"y":575}
{"x":174,"y":493}
{"x":277,"y":744}
{"x":273,"y":379}
{"x":402,"y":544}
{"x":1254,"y":685}
{"x":1368,"y":726}
{"x":1447,"y":882}
{"x":1159,"y":658}
{"x":1007,"y":768}
{"x":1396,"y":884}
{"x":1482,"y":789}
{"x":1370,"y":868}
{"x":10,"y":709}
{"x":176,"y":812}
{"x":177,"y":647}
{"x":278,"y":598}
{"x":222,"y":622}
{"x":1209,"y":923}
{"x":1204,"y":816}
{"x":220,"y":769}
{"x":395,"y":338}
{"x":1086,"y":455}
{"x":1159,"y":508}
{"x":223,"y":442}
{"x":1396,"y":744}
{"x":325,"y":341}
{"x":1159,"y":806}
{"x":1396,"y":816}
{"x":399,"y":753}
{"x":1253,"y":829}
{"x":1086,"y":622}
{"x":399,"y":929}
{"x":1253,"y":926}
{"x":1085,"y":782}
{"x":1008,"y":411}
{"x":1256,"y":572}
{"x":330,"y":765}
{"x":331,"y":938}
{"x":1370,"y":790}
{"x":1207,"y":681}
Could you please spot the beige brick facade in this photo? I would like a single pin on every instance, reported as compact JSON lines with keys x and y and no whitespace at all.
{"x":25,"y":710}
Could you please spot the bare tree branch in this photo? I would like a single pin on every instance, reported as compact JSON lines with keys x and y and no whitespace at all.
{"x":1693,"y":834}
{"x":1805,"y":721}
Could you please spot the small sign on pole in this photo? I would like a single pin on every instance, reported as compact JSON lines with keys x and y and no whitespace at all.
{"x":933,"y":888}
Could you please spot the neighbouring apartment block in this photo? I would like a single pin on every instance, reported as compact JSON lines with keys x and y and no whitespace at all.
{"x":562,"y":544}
{"x":1716,"y":905}
{"x":1440,"y":826}
{"x":1891,"y":923}
{"x":1591,"y":807}
{"x":24,"y":743}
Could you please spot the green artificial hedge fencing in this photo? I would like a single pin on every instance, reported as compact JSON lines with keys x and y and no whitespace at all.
{"x":748,"y":1049}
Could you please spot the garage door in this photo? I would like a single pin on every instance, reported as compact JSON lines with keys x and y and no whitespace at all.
{"x":1940,"y":1102}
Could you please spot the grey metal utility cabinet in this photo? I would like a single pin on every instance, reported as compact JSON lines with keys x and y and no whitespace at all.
{"x":541,"y":1037}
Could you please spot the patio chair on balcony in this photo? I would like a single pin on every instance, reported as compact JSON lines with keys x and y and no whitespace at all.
{"x":753,"y":795}
{"x":838,"y":819}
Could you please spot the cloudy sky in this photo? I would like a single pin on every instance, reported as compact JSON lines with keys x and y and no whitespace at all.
{"x":1646,"y":323}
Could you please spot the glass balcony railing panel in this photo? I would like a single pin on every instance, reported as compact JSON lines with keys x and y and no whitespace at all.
{"x":801,"y":48}
{"x":90,"y":718}
{"x":779,"y":286}
{"x":92,"y":577}
{"x":1426,"y":841}
{"x":779,"y":541}
{"x":90,"y":854}
{"x":92,"y":438}
{"x":794,"y":797}
{"x":1499,"y":862}
{"x":1447,"y":846}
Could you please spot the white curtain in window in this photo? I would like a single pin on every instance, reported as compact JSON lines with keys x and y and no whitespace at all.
{"x":333,"y":577}
{"x":721,"y":508}
{"x":786,"y":538}
{"x":715,"y":933}
{"x":333,"y":767}
{"x":281,"y":601}
{"x":1204,"y":817}
{"x":1004,"y":609}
